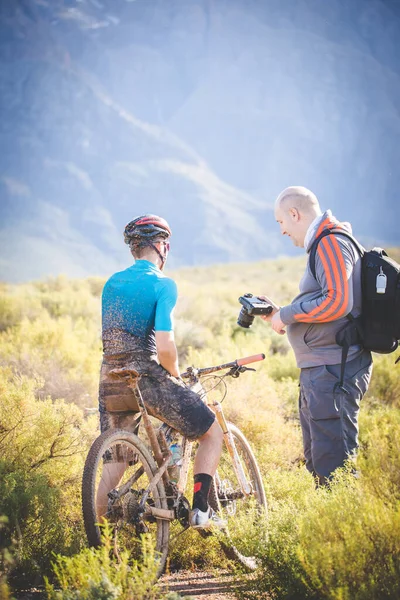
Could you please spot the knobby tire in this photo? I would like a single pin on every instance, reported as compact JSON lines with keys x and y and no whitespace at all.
{"x":226,"y":472}
{"x":116,"y":439}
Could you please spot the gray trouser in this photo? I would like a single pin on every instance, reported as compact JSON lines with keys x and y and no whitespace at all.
{"x":329,"y":419}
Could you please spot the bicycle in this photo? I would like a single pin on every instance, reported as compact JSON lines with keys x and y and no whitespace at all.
{"x":143,"y":498}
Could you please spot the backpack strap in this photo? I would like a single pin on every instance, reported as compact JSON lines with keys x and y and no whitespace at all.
{"x":326,"y":232}
{"x":351,"y":333}
{"x":348,"y":336}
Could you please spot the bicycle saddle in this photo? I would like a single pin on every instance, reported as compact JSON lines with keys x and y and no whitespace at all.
{"x":124,"y":373}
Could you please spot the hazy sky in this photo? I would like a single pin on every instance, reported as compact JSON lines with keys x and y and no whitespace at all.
{"x":200,"y":110}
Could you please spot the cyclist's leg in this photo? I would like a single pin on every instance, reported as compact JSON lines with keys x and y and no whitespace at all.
{"x":113,"y":465}
{"x":209,"y":451}
{"x":117,"y":395}
{"x":205,"y":466}
{"x":183,"y":409}
{"x":169,"y":400}
{"x":110,"y":478}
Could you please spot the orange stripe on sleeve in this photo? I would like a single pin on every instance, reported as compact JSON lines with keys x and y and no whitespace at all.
{"x":327,"y":309}
{"x":345,"y":289}
{"x":305,"y":317}
{"x":334,"y":262}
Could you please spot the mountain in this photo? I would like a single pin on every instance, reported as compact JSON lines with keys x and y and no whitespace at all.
{"x":199,"y":110}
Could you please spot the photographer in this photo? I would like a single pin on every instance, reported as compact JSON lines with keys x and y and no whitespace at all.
{"x":329,"y":407}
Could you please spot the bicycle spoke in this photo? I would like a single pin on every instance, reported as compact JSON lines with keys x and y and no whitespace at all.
{"x":242,"y":511}
{"x":117,"y":487}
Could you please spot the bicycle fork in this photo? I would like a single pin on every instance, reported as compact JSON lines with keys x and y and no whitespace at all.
{"x":246,"y":486}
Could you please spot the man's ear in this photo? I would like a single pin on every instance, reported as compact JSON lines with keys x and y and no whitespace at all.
{"x":294,"y":214}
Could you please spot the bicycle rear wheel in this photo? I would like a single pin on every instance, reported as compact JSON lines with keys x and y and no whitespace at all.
{"x":239,"y":510}
{"x":118,"y":470}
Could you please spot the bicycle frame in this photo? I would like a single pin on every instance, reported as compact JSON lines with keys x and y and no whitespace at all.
{"x":247,"y":488}
{"x":237,"y":367}
{"x":159,"y":444}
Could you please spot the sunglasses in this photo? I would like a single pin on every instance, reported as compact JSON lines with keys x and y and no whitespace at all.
{"x":166,"y":244}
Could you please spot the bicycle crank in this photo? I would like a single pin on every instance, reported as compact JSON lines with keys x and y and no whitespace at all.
{"x":227,"y":496}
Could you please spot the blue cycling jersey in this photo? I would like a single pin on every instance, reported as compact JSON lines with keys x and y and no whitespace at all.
{"x":138,"y":301}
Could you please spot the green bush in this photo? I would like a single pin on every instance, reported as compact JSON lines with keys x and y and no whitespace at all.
{"x":379,"y":461}
{"x":64,"y":354}
{"x":189,"y":550}
{"x":339,"y":544}
{"x":336,"y":543}
{"x":95,"y":574}
{"x":385,"y":381}
{"x":349,"y":544}
{"x":281,"y":574}
{"x":42,"y":448}
{"x":6,"y":562}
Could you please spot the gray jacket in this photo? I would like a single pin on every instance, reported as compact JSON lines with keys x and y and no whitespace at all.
{"x":319,"y":311}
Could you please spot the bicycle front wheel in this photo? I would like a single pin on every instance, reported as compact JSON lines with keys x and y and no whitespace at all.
{"x":241,"y":511}
{"x":117,"y":473}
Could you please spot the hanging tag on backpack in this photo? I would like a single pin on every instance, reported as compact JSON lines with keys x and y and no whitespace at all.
{"x":381,"y":282}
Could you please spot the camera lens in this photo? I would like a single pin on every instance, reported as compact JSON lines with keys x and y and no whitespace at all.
{"x":244,"y":319}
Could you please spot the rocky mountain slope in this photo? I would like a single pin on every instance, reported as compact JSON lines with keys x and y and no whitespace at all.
{"x":199,"y":110}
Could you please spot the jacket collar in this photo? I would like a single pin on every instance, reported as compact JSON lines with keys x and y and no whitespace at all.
{"x":324,"y":221}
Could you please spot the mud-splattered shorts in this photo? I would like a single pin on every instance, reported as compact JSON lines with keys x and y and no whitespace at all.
{"x":165,"y":397}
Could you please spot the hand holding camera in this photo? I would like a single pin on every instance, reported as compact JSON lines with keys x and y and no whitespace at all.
{"x":263,"y":307}
{"x":275,"y":317}
{"x":252,"y":306}
{"x":275,"y":308}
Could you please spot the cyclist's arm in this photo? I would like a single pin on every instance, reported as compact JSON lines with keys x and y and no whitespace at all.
{"x":164,"y":327}
{"x":167,"y":352}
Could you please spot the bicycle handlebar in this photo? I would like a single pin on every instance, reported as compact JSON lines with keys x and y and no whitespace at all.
{"x":250,"y":359}
{"x":239,"y":362}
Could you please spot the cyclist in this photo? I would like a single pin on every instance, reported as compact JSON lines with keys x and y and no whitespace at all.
{"x":137,"y":330}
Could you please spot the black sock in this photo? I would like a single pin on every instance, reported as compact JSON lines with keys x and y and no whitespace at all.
{"x":202,"y":483}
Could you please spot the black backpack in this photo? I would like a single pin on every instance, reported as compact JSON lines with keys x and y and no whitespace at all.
{"x":378,"y":327}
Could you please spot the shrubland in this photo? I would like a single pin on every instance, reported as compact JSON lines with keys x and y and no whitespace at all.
{"x":342,"y":543}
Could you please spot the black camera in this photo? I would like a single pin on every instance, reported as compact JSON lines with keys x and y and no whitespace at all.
{"x":251,"y":307}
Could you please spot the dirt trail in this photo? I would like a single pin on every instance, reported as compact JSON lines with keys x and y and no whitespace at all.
{"x":200,"y":584}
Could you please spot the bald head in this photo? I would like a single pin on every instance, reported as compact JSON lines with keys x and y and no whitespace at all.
{"x":295,"y":209}
{"x":298,"y":197}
